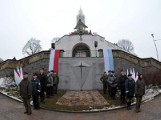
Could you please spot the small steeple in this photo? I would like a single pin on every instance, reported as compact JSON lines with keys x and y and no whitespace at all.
{"x":81,"y":16}
{"x":80,"y":25}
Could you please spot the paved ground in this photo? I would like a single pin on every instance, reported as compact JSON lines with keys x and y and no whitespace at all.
{"x":12,"y":110}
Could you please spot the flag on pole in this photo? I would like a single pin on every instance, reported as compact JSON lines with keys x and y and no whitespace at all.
{"x":108,"y":60}
{"x":127,"y":72}
{"x":18,"y":75}
{"x":133,"y":74}
{"x":54,"y":59}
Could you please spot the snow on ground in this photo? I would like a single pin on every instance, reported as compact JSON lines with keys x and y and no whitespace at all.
{"x":2,"y":82}
{"x":149,"y":95}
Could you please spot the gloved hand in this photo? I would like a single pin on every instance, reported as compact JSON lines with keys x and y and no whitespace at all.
{"x":127,"y":91}
{"x":29,"y":96}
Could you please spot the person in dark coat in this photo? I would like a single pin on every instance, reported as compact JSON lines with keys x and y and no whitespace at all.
{"x":139,"y":91}
{"x":55,"y":82}
{"x":35,"y":91}
{"x":121,"y":86}
{"x":130,"y":90}
{"x":25,"y":93}
{"x":49,"y":84}
{"x":104,"y":79}
{"x":43,"y":79}
{"x":112,"y":84}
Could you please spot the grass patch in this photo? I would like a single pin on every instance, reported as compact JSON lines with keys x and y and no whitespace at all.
{"x":50,"y":103}
{"x":115,"y":102}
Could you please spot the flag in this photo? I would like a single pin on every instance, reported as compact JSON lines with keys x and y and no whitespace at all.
{"x":108,"y":60}
{"x":21,"y":73}
{"x":54,"y":59}
{"x":127,"y":72}
{"x":133,"y":74}
{"x":18,"y":75}
{"x":136,"y":77}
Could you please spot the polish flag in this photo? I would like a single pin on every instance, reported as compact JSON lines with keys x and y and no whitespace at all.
{"x":18,"y":75}
{"x":54,"y":59}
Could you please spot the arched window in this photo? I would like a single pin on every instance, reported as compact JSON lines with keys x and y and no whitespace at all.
{"x":81,"y":50}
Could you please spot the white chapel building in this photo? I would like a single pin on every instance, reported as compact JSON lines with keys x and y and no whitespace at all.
{"x":83,"y":43}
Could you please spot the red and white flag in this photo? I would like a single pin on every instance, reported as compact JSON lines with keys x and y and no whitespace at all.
{"x":54,"y":59}
{"x":18,"y":75}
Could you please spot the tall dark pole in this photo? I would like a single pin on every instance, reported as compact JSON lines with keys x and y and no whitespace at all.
{"x":155,"y":45}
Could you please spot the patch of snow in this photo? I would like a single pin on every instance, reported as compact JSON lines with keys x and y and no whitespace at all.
{"x":160,"y":91}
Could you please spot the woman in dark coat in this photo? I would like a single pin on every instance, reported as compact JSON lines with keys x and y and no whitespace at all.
{"x":130,"y":90}
{"x":139,"y":91}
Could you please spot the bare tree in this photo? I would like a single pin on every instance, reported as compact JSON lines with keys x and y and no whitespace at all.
{"x":126,"y":45}
{"x":32,"y":46}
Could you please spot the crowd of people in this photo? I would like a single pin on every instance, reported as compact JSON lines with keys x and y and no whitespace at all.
{"x":126,"y":85}
{"x":48,"y":83}
{"x":37,"y":87}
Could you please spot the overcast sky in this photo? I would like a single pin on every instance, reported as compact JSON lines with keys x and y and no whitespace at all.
{"x":44,"y":20}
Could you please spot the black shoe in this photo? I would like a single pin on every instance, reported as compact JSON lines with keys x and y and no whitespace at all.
{"x":137,"y":111}
{"x":128,"y":108}
{"x":29,"y":113}
{"x":25,"y":112}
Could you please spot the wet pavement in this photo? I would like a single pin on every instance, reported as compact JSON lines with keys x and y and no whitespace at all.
{"x":13,"y":110}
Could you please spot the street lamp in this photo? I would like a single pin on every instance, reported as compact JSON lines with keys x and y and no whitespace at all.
{"x":155,"y":45}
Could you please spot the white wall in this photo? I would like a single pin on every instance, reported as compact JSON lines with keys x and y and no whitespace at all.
{"x":68,"y":42}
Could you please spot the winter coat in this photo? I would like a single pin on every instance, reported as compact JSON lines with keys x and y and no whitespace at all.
{"x":104,"y":79}
{"x":49,"y":80}
{"x":43,"y":80}
{"x":55,"y":79}
{"x":121,"y":82}
{"x":25,"y":88}
{"x":112,"y":81}
{"x":139,"y":88}
{"x":35,"y":87}
{"x":130,"y":87}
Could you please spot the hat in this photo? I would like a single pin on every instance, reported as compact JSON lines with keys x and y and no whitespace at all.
{"x":109,"y":71}
{"x":25,"y":73}
{"x":129,"y":74}
{"x":35,"y":74}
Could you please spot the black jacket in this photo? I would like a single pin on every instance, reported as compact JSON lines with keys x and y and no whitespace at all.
{"x":121,"y":82}
{"x":43,"y":80}
{"x":130,"y":87}
{"x":35,"y":87}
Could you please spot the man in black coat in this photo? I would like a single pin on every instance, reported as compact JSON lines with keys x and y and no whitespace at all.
{"x":35,"y":91}
{"x":121,"y":85}
{"x":130,"y":90}
{"x":43,"y":80}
